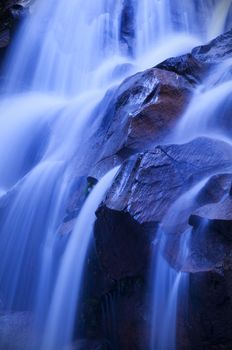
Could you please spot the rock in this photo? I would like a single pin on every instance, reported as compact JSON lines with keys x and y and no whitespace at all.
{"x":125,"y":315}
{"x":160,"y":111}
{"x":146,"y":106}
{"x":149,"y":182}
{"x":11,"y":13}
{"x":208,"y":322}
{"x":138,"y":116}
{"x":211,"y":240}
{"x":95,"y":285}
{"x":119,"y":238}
{"x":210,"y":308}
{"x":213,"y":191}
{"x":127,"y":26}
{"x":187,"y":66}
{"x":216,"y":51}
{"x":144,"y":109}
{"x":4,"y":38}
{"x":146,"y":187}
{"x":212,"y":226}
{"x":195,"y":65}
{"x":218,"y":216}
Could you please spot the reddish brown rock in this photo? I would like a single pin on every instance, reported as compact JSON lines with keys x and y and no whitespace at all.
{"x":147,"y":105}
{"x":143,"y":110}
{"x":160,"y":111}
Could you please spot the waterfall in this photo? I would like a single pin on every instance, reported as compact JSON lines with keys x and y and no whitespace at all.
{"x":168,"y":283}
{"x":59,"y":73}
{"x":210,"y":104}
{"x":67,"y":283}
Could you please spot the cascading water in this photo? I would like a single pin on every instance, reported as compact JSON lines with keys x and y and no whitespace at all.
{"x":66,"y":282}
{"x":210,"y":104}
{"x":62,"y":63}
{"x":168,"y":282}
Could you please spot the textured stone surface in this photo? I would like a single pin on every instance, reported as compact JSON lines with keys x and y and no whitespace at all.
{"x":146,"y":187}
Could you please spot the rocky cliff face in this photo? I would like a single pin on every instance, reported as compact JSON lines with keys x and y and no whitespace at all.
{"x":139,"y":119}
{"x":11,"y":13}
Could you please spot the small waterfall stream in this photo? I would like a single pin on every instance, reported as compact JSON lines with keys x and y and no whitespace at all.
{"x":208,"y":114}
{"x":63,"y":62}
{"x":67,"y":283}
{"x":168,"y":283}
{"x":210,"y":104}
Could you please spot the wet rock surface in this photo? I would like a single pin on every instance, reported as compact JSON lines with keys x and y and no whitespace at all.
{"x":208,"y":322}
{"x":145,"y":106}
{"x":11,"y":12}
{"x":216,"y":51}
{"x":195,"y":65}
{"x":210,"y":309}
{"x":144,"y":109}
{"x":140,"y":115}
{"x":127,"y":30}
{"x":149,"y":182}
{"x":145,"y":189}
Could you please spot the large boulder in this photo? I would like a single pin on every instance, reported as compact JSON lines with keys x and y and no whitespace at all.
{"x":195,"y":65}
{"x":216,"y":51}
{"x":211,"y":240}
{"x":208,"y":321}
{"x":139,"y":115}
{"x":196,"y":208}
{"x":188,"y":66}
{"x":146,"y":187}
{"x":217,"y":216}
{"x":144,"y":109}
{"x":209,"y":310}
{"x":11,"y":13}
